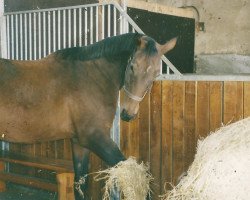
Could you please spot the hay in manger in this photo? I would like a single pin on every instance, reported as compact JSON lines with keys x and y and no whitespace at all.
{"x":221,"y":168}
{"x":131,"y":179}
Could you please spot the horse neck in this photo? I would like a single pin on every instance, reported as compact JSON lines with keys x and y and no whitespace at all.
{"x":116,"y":71}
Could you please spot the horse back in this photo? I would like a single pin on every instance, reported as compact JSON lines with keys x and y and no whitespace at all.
{"x":32,"y":101}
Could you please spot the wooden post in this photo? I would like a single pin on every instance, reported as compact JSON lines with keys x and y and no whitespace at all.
{"x":2,"y":183}
{"x":65,"y":183}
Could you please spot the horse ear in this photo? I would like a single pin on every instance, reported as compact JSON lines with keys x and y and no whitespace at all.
{"x":141,"y":43}
{"x":168,"y":45}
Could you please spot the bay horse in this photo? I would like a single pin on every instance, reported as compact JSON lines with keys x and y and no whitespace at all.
{"x":73,"y":93}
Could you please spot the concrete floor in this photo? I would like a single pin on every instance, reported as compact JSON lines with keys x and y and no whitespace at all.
{"x":17,"y":192}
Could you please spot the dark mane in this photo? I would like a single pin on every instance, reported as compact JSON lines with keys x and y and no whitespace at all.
{"x":110,"y":48}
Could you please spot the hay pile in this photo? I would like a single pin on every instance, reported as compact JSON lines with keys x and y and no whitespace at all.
{"x":221,"y":169}
{"x":131,"y":179}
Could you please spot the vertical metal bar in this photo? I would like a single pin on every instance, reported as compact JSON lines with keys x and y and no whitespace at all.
{"x":3,"y":33}
{"x":109,"y":21}
{"x":21,"y":36}
{"x":168,"y":70}
{"x":39,"y":36}
{"x":44,"y":34}
{"x":97,"y":24}
{"x":80,"y":26}
{"x":16,"y":40}
{"x":12,"y":37}
{"x":54,"y":31}
{"x":91,"y":25}
{"x":59,"y":29}
{"x":25,"y":37}
{"x":115,"y":21}
{"x":69,"y":28}
{"x":74,"y":23}
{"x":103,"y":21}
{"x":64,"y":29}
{"x":121,"y":23}
{"x":8,"y":38}
{"x":34,"y":33}
{"x":49,"y":33}
{"x":86,"y":27}
{"x":30,"y":38}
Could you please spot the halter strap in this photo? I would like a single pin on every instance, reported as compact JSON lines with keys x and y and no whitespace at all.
{"x":134,"y":97}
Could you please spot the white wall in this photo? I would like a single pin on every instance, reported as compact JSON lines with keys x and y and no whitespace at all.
{"x":227,"y":25}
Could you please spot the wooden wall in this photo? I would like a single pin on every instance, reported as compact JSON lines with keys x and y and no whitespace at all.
{"x":171,"y":120}
{"x":174,"y":117}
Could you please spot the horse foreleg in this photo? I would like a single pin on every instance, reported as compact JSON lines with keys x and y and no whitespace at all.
{"x":104,"y":147}
{"x":80,"y":160}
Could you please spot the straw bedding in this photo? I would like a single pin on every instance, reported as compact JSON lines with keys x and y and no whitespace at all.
{"x":221,"y":168}
{"x":131,"y":179}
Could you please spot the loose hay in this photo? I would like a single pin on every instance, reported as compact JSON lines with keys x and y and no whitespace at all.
{"x":221,"y":168}
{"x":131,"y":179}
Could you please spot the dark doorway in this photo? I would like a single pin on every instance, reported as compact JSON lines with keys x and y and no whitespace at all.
{"x":163,"y":27}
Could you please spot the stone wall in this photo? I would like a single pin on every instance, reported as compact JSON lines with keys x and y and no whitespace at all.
{"x":227,"y":26}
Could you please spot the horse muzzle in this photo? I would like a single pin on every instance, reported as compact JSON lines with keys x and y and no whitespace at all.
{"x":126,"y":117}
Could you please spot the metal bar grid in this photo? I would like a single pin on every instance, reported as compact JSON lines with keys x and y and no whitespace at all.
{"x":74,"y":23}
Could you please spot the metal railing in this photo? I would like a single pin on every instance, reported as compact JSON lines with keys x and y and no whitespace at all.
{"x":34,"y":34}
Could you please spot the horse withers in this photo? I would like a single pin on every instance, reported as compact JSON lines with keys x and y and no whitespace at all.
{"x":73,"y":92}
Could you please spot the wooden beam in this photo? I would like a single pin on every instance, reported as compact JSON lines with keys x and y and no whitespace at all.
{"x":159,"y":8}
{"x":30,"y":181}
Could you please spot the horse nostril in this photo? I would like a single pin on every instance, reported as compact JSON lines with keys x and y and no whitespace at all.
{"x":125,"y":116}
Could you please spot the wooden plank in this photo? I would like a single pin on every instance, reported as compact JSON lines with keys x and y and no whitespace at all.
{"x":15,"y":147}
{"x":67,"y":150}
{"x":30,"y":181}
{"x":167,"y":134}
{"x":2,"y":183}
{"x":189,"y":124}
{"x":44,"y":151}
{"x":246,"y":99}
{"x":59,"y":149}
{"x":65,"y":185}
{"x":144,"y":129}
{"x":155,"y":137}
{"x":38,"y":162}
{"x":202,"y":109}
{"x":51,"y":149}
{"x":28,"y":149}
{"x":124,"y":133}
{"x":133,"y":138}
{"x":178,"y":134}
{"x":215,"y":108}
{"x":230,"y":101}
{"x":38,"y":149}
{"x":240,"y":101}
{"x":94,"y":188}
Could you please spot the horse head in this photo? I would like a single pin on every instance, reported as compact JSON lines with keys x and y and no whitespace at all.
{"x":143,"y":67}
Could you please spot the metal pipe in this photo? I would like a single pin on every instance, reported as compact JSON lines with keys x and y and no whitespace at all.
{"x":21,"y":36}
{"x":74,"y":24}
{"x":91,"y":25}
{"x":25,"y":37}
{"x":80,"y":26}
{"x":44,"y":34}
{"x":86,"y":27}
{"x":34,"y":34}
